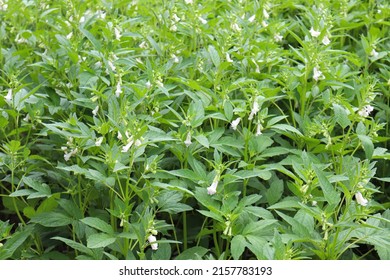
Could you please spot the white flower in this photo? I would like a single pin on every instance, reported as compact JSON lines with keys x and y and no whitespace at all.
{"x":235,"y":123}
{"x":258,"y":129}
{"x":98,"y":64}
{"x":228,"y":59}
{"x":325,"y":40}
{"x":143,"y":45}
{"x":26,"y":118}
{"x":152,"y":239}
{"x":360,"y":199}
{"x":119,"y":135}
{"x":314,"y":203}
{"x":128,"y":135}
{"x":278,"y":37}
{"x":8,"y":97}
{"x":365,"y":111}
{"x":175,"y":58}
{"x":314,"y":33}
{"x":112,"y":66}
{"x":159,"y":83}
{"x":317,"y":74}
{"x":82,"y":19}
{"x":236,"y":27}
{"x":99,"y":141}
{"x":3,"y":5}
{"x":137,"y":143}
{"x":374,"y":53}
{"x":118,"y":90}
{"x":117,"y":34}
{"x":148,"y":85}
{"x":255,"y":110}
{"x":188,"y":142}
{"x":95,"y":111}
{"x":173,"y":28}
{"x":188,"y":2}
{"x":265,"y":14}
{"x":71,"y":153}
{"x":213,"y":188}
{"x":175,"y":18}
{"x":69,"y":35}
{"x":252,"y":18}
{"x":128,"y":146}
{"x":264,"y":23}
{"x":202,"y":20}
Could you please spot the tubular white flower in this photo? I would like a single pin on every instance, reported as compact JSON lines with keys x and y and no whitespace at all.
{"x":213,"y":188}
{"x":325,"y":40}
{"x":258,"y":129}
{"x":265,"y":14}
{"x":137,"y":143}
{"x":118,"y":90}
{"x":8,"y":97}
{"x":173,"y":28}
{"x":278,"y":37}
{"x":148,"y":85}
{"x":235,"y":123}
{"x":175,"y":58}
{"x":152,"y":239}
{"x":143,"y":45}
{"x":374,"y":53}
{"x":360,"y":199}
{"x":228,"y":59}
{"x":188,"y":142}
{"x":264,"y":23}
{"x":255,"y":110}
{"x":317,"y":74}
{"x":202,"y":20}
{"x":119,"y":135}
{"x":314,"y":33}
{"x":236,"y":27}
{"x":95,"y":111}
{"x":188,"y":1}
{"x":365,"y":111}
{"x":128,"y":146}
{"x":175,"y":18}
{"x":117,"y":34}
{"x":99,"y":141}
{"x":252,"y":18}
{"x":112,"y":66}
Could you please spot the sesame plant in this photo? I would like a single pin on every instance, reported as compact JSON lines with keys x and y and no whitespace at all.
{"x":191,"y":129}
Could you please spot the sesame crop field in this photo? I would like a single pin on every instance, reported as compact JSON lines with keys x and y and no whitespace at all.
{"x":188,"y":129}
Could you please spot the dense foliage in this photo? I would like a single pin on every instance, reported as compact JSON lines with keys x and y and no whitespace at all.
{"x":188,"y":129}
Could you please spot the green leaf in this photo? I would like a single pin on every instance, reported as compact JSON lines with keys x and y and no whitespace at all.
{"x":238,"y":244}
{"x":193,"y":253}
{"x":212,"y":215}
{"x":15,"y":242}
{"x":367,"y":144}
{"x":52,"y":219}
{"x":214,"y":56}
{"x":100,"y":240}
{"x":202,"y":140}
{"x":75,"y":245}
{"x":275,"y":191}
{"x":330,"y":193}
{"x":168,"y":201}
{"x":286,"y":128}
{"x":185,"y":173}
{"x":98,"y":224}
{"x":91,"y":38}
{"x":246,"y":174}
{"x":341,"y":116}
